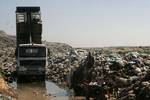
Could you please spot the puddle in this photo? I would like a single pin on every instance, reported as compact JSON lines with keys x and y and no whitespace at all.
{"x":55,"y":90}
{"x":39,"y":91}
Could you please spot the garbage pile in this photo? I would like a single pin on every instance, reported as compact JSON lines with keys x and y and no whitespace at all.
{"x":61,"y":60}
{"x":7,"y":64}
{"x":121,"y":72}
{"x":125,"y":75}
{"x":7,"y":55}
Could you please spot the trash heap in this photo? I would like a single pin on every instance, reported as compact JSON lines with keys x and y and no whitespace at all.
{"x":7,"y":55}
{"x":122,"y":72}
{"x":7,"y":64}
{"x":61,"y":60}
{"x":123,"y":75}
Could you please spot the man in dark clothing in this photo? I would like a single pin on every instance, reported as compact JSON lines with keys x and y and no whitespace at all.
{"x":81,"y":79}
{"x":82,"y":75}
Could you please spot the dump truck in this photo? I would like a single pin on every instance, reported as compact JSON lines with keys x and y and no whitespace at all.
{"x":31,"y":54}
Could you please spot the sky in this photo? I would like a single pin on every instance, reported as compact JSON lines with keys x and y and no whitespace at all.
{"x":86,"y":23}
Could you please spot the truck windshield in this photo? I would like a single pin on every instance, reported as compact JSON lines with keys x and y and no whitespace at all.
{"x":32,"y":52}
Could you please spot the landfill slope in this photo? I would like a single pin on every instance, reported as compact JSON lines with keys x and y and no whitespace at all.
{"x":7,"y":51}
{"x":7,"y":63}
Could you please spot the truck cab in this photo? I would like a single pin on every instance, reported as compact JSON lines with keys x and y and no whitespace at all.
{"x":31,"y":59}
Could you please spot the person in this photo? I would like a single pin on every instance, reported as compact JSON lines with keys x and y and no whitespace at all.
{"x":82,"y":75}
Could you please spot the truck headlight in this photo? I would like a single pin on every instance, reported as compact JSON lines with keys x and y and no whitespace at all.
{"x":22,"y":68}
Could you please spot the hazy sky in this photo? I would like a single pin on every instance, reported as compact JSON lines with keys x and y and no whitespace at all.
{"x":86,"y":23}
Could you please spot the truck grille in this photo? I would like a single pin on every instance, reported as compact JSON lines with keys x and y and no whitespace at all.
{"x":32,"y":63}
